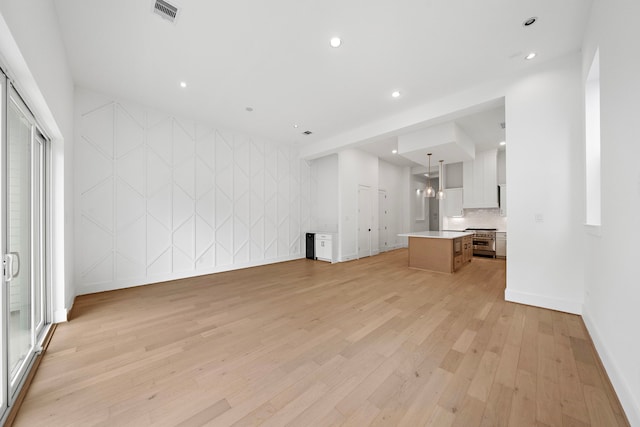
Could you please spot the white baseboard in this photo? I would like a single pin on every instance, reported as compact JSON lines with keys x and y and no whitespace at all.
{"x":618,"y":380}
{"x":350,"y":257}
{"x":398,"y":246}
{"x":573,"y":307}
{"x":141,"y":281}
{"x":60,"y":316}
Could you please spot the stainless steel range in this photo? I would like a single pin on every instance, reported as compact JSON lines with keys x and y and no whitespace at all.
{"x":484,"y":241}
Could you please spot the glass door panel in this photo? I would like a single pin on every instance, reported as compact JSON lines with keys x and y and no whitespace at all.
{"x":3,"y":300}
{"x":24,"y":303}
{"x":17,"y":258}
{"x":38,"y":233}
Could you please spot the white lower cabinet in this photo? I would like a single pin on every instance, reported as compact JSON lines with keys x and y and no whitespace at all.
{"x":324,"y":247}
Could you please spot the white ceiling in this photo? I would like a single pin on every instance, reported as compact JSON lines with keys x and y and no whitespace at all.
{"x":275,"y":56}
{"x":483,"y":127}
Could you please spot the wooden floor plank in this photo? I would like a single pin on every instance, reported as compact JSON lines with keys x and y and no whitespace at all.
{"x":367,"y":342}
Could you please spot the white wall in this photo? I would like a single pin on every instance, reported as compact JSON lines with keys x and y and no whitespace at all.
{"x":502,"y":167}
{"x":391,"y":178}
{"x":612,"y":297}
{"x":31,"y":49}
{"x":356,"y":168}
{"x":546,"y":187}
{"x":453,"y":175}
{"x":159,"y":197}
{"x":324,"y":194}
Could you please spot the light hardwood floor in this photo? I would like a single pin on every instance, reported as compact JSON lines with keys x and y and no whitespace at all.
{"x":306,"y":343}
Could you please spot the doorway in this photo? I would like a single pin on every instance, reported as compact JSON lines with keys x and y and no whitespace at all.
{"x":383,"y":221}
{"x":365,"y":221}
{"x":23,"y":211}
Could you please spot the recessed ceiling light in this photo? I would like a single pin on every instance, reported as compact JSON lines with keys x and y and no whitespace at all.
{"x":335,"y":42}
{"x":395,"y":94}
{"x":394,"y":151}
{"x":529,"y":21}
{"x":295,"y":126}
{"x":183,"y":84}
{"x":530,"y":56}
{"x":249,"y":109}
{"x":503,"y":143}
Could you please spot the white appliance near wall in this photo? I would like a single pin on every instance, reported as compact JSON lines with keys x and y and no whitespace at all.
{"x":324,"y":247}
{"x":159,"y":197}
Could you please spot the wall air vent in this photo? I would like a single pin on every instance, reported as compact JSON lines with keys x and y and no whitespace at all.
{"x":307,"y":132}
{"x":166,"y":10}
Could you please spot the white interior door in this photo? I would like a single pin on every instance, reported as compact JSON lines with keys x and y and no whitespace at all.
{"x":383,"y":221}
{"x":365,"y":221}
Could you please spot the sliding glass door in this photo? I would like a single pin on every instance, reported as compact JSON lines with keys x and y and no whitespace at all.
{"x":24,"y":292}
{"x":3,"y":295}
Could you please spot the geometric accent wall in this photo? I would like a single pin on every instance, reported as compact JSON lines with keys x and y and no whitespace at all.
{"x":158,"y":197}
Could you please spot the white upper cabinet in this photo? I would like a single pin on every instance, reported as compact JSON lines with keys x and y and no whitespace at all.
{"x":453,"y":202}
{"x":480,"y":180}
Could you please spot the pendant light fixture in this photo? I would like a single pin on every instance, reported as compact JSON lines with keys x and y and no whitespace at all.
{"x":440,"y":194}
{"x":429,"y":191}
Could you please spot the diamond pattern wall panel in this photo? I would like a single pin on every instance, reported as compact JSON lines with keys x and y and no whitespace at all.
{"x":160,"y":197}
{"x":241,"y":200}
{"x":257,"y":201}
{"x":224,"y":200}
{"x":129,"y":134}
{"x":282,"y":201}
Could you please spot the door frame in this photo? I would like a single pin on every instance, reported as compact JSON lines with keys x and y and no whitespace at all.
{"x":368,"y":188}
{"x":4,"y":304}
{"x":382,"y":225}
{"x":40,"y":159}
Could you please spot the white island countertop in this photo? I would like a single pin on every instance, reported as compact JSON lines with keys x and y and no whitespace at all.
{"x":438,"y":234}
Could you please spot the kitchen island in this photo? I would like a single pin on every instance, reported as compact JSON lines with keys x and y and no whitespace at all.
{"x":443,"y":251}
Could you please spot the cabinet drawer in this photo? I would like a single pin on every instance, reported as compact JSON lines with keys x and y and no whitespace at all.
{"x":457,"y":262}
{"x":323,"y":236}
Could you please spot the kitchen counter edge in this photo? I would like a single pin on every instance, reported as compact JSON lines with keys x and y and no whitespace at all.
{"x":437,"y":234}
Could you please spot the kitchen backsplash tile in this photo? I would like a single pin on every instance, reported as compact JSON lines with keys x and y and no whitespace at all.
{"x":479,"y":218}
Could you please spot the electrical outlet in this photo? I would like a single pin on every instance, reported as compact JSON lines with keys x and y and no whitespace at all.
{"x":538,"y":217}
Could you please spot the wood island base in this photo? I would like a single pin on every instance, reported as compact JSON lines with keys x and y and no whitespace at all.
{"x":444,"y":252}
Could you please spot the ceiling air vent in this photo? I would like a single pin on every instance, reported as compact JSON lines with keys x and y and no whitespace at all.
{"x":165,"y":10}
{"x":307,"y":132}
